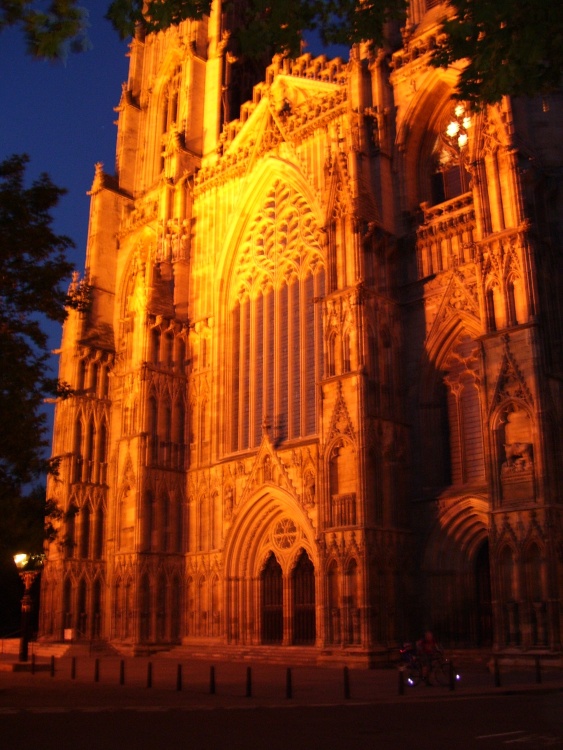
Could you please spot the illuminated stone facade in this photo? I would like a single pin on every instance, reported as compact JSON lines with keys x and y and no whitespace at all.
{"x":317,"y":362}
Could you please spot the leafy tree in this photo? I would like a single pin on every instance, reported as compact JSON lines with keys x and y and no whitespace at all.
{"x":511,"y":46}
{"x":33,"y":266}
{"x":50,"y":31}
{"x":268,"y":27}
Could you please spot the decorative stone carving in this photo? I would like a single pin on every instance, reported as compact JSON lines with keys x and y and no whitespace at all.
{"x":518,"y":458}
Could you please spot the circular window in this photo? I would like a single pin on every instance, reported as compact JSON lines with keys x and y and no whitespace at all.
{"x":285,"y":534}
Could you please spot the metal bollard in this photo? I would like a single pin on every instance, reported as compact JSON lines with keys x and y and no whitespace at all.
{"x":249,"y":682}
{"x":96,"y":670}
{"x":149,"y":674}
{"x":212,"y":680}
{"x":52,"y":666}
{"x":452,"y":676}
{"x":288,"y":684}
{"x":538,"y":670}
{"x":179,"y":678}
{"x":32,"y":663}
{"x":73,"y":668}
{"x":401,"y":680}
{"x":346,"y":683}
{"x":122,"y":672}
{"x":497,"y":673}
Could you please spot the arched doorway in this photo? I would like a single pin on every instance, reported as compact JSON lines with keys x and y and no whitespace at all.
{"x":304,"y":626}
{"x":271,"y":591}
{"x":455,"y":569}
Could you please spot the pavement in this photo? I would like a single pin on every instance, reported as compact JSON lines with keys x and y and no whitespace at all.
{"x":161,"y":682}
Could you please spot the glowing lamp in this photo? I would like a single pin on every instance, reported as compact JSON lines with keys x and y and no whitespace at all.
{"x":21,"y":559}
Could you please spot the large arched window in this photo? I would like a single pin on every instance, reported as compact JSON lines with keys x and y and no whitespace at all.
{"x":450,"y":177}
{"x":342,"y":479}
{"x":467,"y":458}
{"x":275,"y":323}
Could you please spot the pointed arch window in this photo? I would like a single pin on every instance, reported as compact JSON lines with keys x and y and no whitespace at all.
{"x":98,"y":541}
{"x":490,"y":309}
{"x":78,"y":455}
{"x":352,"y":603}
{"x":102,"y":452}
{"x":275,"y":361}
{"x":82,"y":371}
{"x":96,"y":608}
{"x":450,"y":177}
{"x":333,"y":584}
{"x":168,"y":349}
{"x":467,"y":453}
{"x":152,"y":429}
{"x":342,"y":480}
{"x":145,"y":608}
{"x":84,"y":540}
{"x":155,"y":346}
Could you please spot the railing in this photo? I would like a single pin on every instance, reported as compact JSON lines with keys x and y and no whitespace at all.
{"x":445,"y":239}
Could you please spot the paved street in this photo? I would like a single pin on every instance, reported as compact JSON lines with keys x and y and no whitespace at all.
{"x":84,"y":703}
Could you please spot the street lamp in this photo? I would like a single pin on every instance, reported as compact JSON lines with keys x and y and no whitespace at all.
{"x":28,"y":567}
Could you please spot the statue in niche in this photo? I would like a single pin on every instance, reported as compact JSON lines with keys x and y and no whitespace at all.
{"x":228,"y":502}
{"x":309,"y":490}
{"x":518,"y":445}
{"x":267,"y":469}
{"x":518,"y":457}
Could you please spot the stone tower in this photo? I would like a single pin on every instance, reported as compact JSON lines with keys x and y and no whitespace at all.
{"x":317,"y":360}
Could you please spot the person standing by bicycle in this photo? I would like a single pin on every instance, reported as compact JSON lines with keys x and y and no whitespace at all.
{"x":427,"y":650}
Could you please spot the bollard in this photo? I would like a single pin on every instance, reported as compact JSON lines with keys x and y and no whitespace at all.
{"x":122,"y":672}
{"x":32,"y":663}
{"x":149,"y":674}
{"x":401,"y":680}
{"x":73,"y":668}
{"x":497,"y":673}
{"x":538,"y":670}
{"x":452,"y":676}
{"x":249,"y":682}
{"x":212,"y":680}
{"x":96,"y":670}
{"x":52,"y":666}
{"x":288,"y":685}
{"x":346,"y":683}
{"x":179,"y":678}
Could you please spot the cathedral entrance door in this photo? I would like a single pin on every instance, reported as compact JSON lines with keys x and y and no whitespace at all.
{"x":304,"y":629}
{"x":271,"y":589}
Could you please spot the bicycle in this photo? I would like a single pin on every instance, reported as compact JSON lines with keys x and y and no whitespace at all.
{"x":411,"y":663}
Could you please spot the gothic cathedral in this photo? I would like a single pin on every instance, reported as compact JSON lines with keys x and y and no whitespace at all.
{"x":317,"y":361}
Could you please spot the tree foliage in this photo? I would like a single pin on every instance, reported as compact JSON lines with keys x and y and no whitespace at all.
{"x":51,"y":29}
{"x":509,"y":46}
{"x":266,"y":27}
{"x":33,"y":266}
{"x":512,"y":47}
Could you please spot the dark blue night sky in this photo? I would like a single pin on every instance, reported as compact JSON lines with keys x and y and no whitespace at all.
{"x":62,"y":115}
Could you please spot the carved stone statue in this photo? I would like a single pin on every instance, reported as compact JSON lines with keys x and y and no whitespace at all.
{"x":518,"y":457}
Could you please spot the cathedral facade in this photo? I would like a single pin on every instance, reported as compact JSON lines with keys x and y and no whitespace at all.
{"x":316,"y":357}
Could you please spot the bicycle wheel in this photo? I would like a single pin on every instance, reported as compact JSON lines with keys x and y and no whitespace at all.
{"x":413,"y":674}
{"x":441,"y":672}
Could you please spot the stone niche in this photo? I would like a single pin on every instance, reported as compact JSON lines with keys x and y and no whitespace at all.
{"x":517,"y":457}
